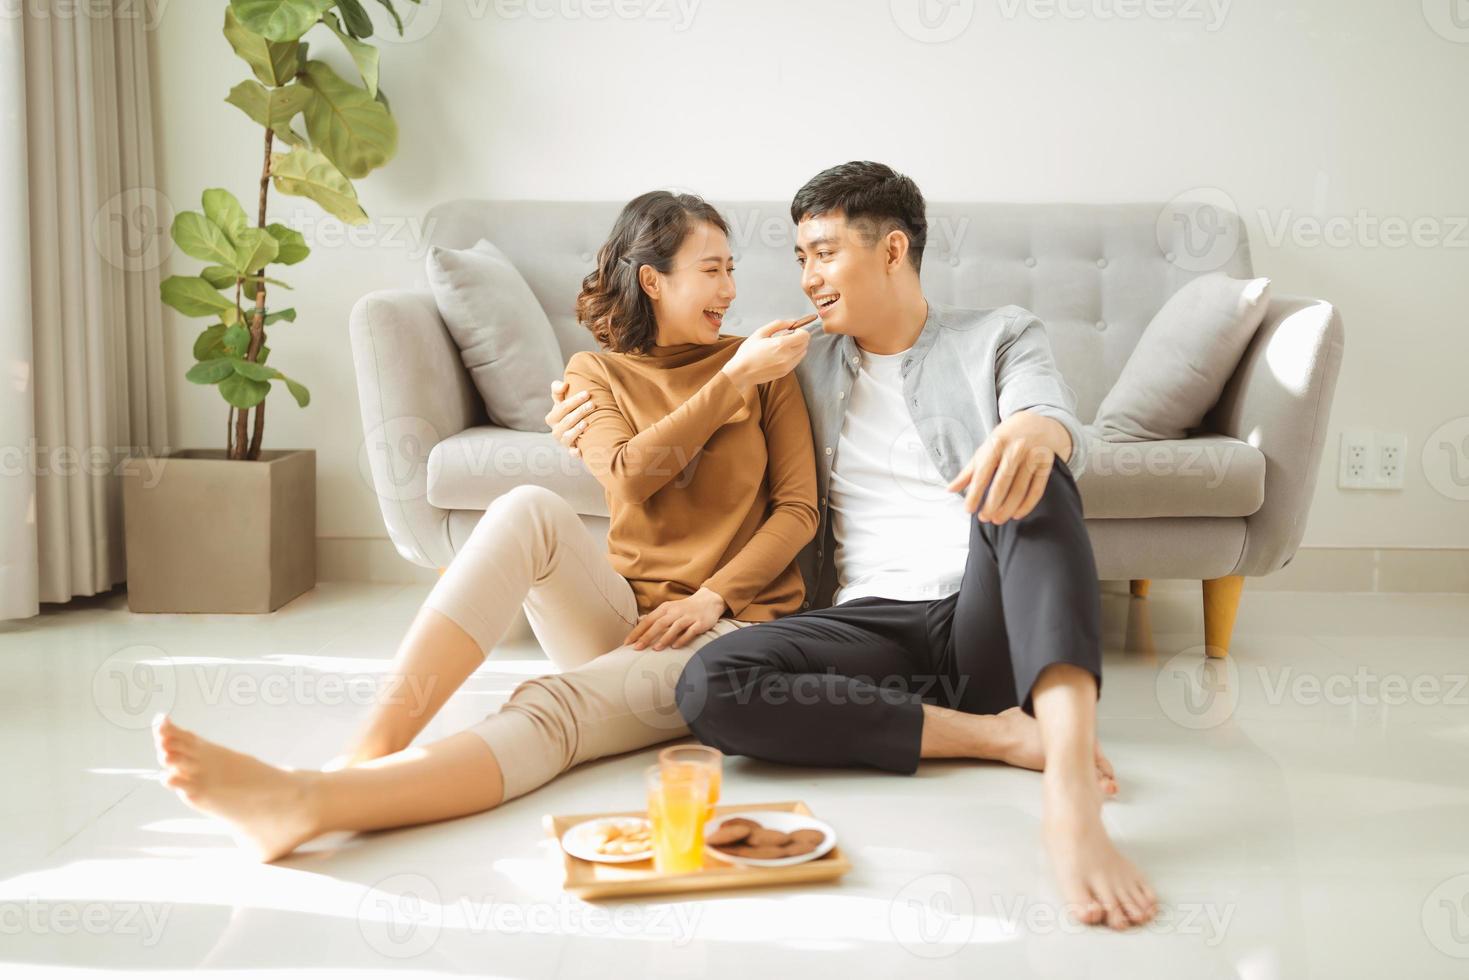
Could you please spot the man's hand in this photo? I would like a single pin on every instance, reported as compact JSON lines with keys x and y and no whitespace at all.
{"x":567,"y":417}
{"x":1015,"y":461}
{"x":678,"y":621}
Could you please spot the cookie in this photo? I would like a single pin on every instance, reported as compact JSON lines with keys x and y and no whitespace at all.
{"x":798,"y":847}
{"x":767,"y":838}
{"x":729,"y":832}
{"x":814,"y":836}
{"x":759,"y":853}
{"x":741,"y":822}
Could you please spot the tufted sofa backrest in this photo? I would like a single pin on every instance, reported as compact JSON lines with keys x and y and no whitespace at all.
{"x":1094,"y":273}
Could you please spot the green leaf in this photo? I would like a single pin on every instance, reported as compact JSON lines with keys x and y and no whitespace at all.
{"x":193,"y":296}
{"x":262,"y":354}
{"x":210,"y":372}
{"x":280,"y":20}
{"x":210,"y":343}
{"x":237,"y":339}
{"x":397,"y":21}
{"x":243,"y":392}
{"x":252,"y":280}
{"x":256,"y":372}
{"x":351,"y":128}
{"x":293,"y":247}
{"x":202,"y":239}
{"x":306,"y":173}
{"x":364,"y":56}
{"x":355,"y":18}
{"x":221,"y":207}
{"x":271,"y":108}
{"x":219,"y":276}
{"x":287,"y":314}
{"x":256,"y":248}
{"x":273,"y":62}
{"x":298,"y":391}
{"x":383,"y":98}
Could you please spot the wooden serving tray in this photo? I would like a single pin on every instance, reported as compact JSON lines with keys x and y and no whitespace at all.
{"x":593,"y":879}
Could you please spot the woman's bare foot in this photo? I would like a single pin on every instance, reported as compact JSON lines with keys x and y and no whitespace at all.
{"x":268,"y":809}
{"x":1095,"y":879}
{"x":1027,"y":752}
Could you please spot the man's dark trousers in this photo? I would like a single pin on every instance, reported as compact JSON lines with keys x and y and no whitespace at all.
{"x":845,"y":686}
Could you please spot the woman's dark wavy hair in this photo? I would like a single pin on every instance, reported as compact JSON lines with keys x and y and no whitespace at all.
{"x":649,"y":231}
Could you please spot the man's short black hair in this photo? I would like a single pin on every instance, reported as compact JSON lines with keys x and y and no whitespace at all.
{"x":867,"y":193}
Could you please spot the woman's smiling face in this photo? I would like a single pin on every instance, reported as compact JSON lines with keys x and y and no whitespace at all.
{"x":690,"y":300}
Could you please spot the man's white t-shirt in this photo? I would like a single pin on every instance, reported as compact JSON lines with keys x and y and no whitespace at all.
{"x":899,"y":533}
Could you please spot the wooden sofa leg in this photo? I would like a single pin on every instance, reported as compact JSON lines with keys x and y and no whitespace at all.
{"x":1221,"y":602}
{"x":1140,"y":587}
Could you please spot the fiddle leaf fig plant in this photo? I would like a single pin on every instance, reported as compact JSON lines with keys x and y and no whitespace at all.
{"x":349,"y":132}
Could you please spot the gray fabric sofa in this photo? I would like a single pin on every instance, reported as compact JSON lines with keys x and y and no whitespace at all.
{"x":1228,"y":502}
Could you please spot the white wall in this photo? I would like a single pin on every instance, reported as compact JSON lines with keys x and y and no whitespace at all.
{"x":1298,"y":110}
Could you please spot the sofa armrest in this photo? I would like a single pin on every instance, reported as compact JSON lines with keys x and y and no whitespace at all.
{"x":1279,"y":401}
{"x":414,"y":391}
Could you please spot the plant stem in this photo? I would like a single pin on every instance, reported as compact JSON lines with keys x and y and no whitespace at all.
{"x":257,"y":326}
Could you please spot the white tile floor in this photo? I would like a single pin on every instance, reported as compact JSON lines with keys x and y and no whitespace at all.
{"x":1304,"y":812}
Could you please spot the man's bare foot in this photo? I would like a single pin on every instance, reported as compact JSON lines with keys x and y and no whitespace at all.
{"x":268,"y":809}
{"x":1027,"y":752}
{"x":1095,"y":879}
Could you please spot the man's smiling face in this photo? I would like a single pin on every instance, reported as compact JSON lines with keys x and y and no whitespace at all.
{"x":844,"y":270}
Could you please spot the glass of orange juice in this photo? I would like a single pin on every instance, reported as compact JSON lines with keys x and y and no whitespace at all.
{"x":678,"y":797}
{"x":698,"y":755}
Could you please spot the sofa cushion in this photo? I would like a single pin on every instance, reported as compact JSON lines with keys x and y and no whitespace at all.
{"x":1205,"y":476}
{"x":501,"y":331}
{"x":1183,"y":359}
{"x":469,"y":470}
{"x":1208,"y":475}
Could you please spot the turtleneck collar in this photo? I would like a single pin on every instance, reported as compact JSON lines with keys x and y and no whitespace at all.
{"x":677,"y":355}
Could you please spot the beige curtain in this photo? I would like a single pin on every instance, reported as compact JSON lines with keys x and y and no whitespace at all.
{"x":83,"y":233}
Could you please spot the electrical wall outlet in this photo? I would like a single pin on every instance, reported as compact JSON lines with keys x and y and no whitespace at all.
{"x":1356,"y":460}
{"x":1391,"y":449}
{"x":1371,"y":460}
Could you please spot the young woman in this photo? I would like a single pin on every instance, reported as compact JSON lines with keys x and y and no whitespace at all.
{"x":703,"y":446}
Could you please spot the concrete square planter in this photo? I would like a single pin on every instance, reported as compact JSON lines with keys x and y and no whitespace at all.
{"x":215,"y":535}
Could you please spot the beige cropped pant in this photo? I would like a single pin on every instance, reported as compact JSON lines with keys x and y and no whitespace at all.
{"x":530,"y":550}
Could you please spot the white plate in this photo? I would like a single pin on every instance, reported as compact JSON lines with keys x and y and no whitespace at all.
{"x":578,"y":841}
{"x":780,"y":820}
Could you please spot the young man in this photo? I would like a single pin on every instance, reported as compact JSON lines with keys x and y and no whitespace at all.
{"x":929,"y":630}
